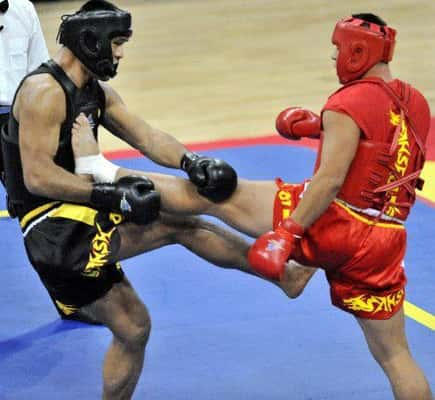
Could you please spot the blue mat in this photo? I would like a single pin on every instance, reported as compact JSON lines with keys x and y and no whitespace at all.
{"x":217,"y":334}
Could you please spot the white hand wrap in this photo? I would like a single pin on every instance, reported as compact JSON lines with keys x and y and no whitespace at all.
{"x":102,"y":170}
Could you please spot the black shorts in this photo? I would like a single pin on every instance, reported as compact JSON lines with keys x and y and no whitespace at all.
{"x":73,"y":249}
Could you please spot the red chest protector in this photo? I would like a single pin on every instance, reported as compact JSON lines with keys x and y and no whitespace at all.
{"x":385,"y":171}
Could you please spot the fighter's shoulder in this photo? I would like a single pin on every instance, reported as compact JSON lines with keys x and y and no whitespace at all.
{"x":353,"y":96}
{"x":352,"y":92}
{"x":419,"y":106}
{"x":42,"y":94}
{"x":419,"y":97}
{"x":110,"y":94}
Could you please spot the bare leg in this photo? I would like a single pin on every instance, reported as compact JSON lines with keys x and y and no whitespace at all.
{"x":387,"y":342}
{"x":126,"y":316}
{"x":213,"y":243}
{"x":249,"y":210}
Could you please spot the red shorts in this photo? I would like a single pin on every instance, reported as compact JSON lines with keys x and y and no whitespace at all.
{"x":362,"y":258}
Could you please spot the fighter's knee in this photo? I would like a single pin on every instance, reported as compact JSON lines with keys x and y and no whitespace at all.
{"x":139,"y":335}
{"x":142,"y":328}
{"x":137,"y":332}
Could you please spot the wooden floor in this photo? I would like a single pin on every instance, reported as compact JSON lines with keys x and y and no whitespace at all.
{"x":210,"y":69}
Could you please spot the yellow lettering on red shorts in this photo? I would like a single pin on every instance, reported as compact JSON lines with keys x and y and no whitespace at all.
{"x":374,"y":304}
{"x":286,"y":201}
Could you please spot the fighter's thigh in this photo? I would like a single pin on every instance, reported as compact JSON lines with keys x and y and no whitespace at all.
{"x":385,"y":338}
{"x":138,"y":239}
{"x":250,"y":208}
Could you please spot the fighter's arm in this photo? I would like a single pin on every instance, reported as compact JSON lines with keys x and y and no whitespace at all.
{"x":40,"y":118}
{"x":40,"y":114}
{"x":214,"y":178}
{"x":340,"y":142}
{"x":153,"y":143}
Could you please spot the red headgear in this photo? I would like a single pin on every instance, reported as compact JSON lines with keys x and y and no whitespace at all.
{"x":361,"y":45}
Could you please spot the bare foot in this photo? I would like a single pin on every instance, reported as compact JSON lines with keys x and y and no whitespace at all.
{"x":82,"y":139}
{"x":295,"y":278}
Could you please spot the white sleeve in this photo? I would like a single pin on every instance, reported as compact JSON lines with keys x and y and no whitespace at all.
{"x":38,"y":52}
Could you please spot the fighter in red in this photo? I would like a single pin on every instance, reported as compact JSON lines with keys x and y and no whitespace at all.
{"x":350,"y":220}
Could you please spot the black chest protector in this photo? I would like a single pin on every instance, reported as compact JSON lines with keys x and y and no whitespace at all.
{"x":89,"y":100}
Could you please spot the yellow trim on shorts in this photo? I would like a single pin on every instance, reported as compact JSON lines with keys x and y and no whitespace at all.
{"x":4,"y":214}
{"x":75,"y":212}
{"x":367,"y":221}
{"x":35,"y":212}
{"x":66,"y":309}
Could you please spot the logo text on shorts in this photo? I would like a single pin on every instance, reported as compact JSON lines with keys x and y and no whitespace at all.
{"x":286,"y":202}
{"x":374,"y":304}
{"x":100,"y":251}
{"x":66,"y":308}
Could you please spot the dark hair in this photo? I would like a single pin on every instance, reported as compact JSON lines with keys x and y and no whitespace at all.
{"x":97,"y":5}
{"x":369,"y":17}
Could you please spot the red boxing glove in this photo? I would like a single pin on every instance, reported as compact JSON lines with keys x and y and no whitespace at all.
{"x":296,"y":122}
{"x":271,"y":251}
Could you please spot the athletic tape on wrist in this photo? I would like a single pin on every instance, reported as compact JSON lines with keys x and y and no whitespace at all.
{"x":102,"y":170}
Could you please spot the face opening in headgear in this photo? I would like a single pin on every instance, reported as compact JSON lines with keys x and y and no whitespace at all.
{"x":361,"y":45}
{"x":89,"y":32}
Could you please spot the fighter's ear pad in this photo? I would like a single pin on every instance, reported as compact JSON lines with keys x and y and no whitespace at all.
{"x":359,"y":55}
{"x":89,"y":43}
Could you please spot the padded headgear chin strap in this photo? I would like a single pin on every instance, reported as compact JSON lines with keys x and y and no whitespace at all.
{"x":361,"y":45}
{"x":88,"y":34}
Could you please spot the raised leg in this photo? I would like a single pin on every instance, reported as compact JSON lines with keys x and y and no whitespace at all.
{"x":211,"y":242}
{"x":249,"y":210}
{"x":216,"y":244}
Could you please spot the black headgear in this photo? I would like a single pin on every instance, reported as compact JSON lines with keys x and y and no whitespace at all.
{"x":88,"y":34}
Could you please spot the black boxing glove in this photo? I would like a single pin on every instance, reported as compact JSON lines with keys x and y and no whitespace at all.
{"x":133,"y":197}
{"x":215,"y":179}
